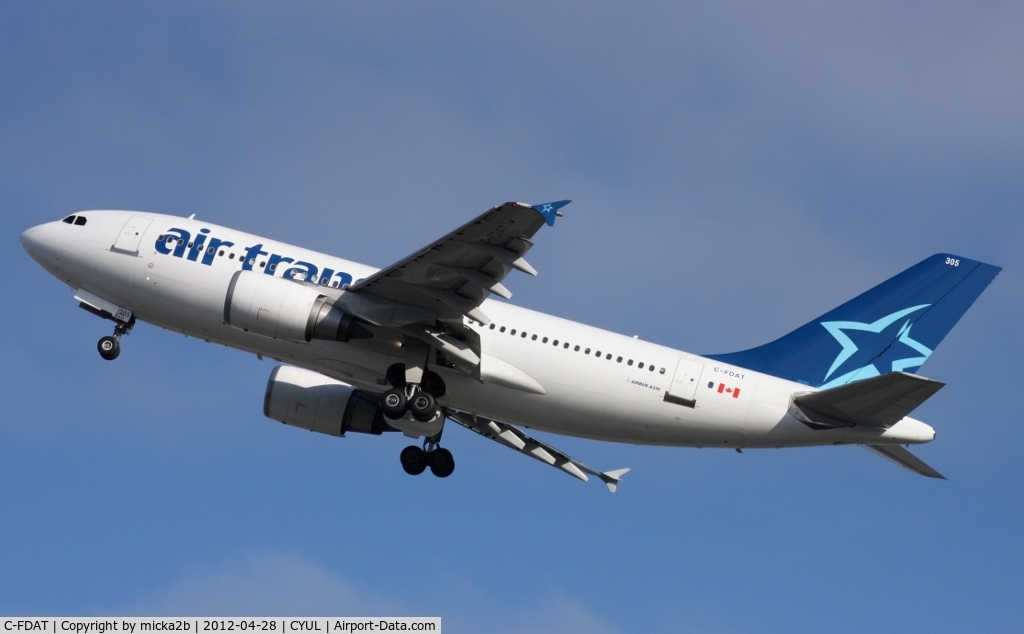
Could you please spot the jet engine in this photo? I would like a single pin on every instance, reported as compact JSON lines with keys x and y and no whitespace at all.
{"x":312,"y":401}
{"x":284,"y":309}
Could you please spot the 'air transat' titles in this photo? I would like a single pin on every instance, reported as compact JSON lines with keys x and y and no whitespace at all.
{"x":179,"y":243}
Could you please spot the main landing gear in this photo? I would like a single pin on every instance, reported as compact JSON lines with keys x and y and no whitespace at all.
{"x":423,"y":407}
{"x":110,"y":347}
{"x":414,"y":395}
{"x":396,"y":401}
{"x":415,"y":460}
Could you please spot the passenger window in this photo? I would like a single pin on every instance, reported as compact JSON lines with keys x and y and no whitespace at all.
{"x":210,"y":250}
{"x":619,"y":360}
{"x":273,"y":267}
{"x":69,"y":220}
{"x":651,"y":368}
{"x":523,"y":335}
{"x":190,"y":245}
{"x":221,"y":254}
{"x":263,"y":264}
{"x":544,"y":340}
{"x":598,"y":354}
{"x":640,"y":365}
{"x":181,"y":241}
{"x":513,"y":332}
{"x":630,"y":362}
{"x":492,"y":326}
{"x":566,"y":346}
{"x":80,"y":221}
{"x":231,"y":256}
{"x":555,"y":342}
{"x":587,"y":351}
{"x":334,"y":284}
{"x":534,"y":337}
{"x":661,"y":371}
{"x":576,"y":349}
{"x":502,"y":329}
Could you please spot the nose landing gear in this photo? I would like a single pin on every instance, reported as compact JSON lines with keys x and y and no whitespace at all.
{"x":110,"y":346}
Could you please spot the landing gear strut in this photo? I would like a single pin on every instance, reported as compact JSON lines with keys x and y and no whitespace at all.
{"x":110,"y":347}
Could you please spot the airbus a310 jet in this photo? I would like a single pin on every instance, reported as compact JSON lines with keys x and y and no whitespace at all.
{"x":421,"y":342}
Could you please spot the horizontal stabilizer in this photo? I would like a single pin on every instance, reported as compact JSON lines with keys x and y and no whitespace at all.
{"x":512,"y":436}
{"x":905,"y":459}
{"x":881,"y":401}
{"x":611,"y":478}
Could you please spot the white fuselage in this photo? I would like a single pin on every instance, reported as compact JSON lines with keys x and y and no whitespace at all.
{"x":621,"y":398}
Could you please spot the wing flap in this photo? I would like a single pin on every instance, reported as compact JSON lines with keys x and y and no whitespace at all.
{"x":522,"y":442}
{"x":880,"y":401}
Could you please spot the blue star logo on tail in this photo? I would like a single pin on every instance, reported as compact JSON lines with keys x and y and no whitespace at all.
{"x":837,"y":328}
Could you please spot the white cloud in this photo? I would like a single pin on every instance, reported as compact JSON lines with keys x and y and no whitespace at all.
{"x":266,"y":584}
{"x":274,"y":584}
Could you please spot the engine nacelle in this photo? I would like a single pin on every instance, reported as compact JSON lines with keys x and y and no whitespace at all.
{"x":318,"y":403}
{"x":284,"y":309}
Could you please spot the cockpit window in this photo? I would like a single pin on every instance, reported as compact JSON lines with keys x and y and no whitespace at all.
{"x":69,"y":219}
{"x":80,"y":221}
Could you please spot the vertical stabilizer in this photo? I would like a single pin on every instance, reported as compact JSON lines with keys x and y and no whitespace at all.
{"x":893,"y":327}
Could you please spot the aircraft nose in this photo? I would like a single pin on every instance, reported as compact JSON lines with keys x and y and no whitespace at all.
{"x":31,"y":239}
{"x":44,"y":242}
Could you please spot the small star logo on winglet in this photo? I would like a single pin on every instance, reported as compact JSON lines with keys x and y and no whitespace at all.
{"x":836,"y":328}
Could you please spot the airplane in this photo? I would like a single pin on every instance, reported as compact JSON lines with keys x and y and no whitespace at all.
{"x":421,"y":342}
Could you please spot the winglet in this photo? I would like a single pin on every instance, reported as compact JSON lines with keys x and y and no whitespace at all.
{"x":550,"y":210}
{"x":611,"y":478}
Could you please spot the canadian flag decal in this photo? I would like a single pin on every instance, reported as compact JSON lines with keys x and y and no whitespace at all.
{"x":722,"y":389}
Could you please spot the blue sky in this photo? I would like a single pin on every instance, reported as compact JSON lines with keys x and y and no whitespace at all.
{"x":736,"y":169}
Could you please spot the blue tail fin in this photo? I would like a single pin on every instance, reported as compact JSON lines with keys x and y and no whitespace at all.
{"x":894,"y":327}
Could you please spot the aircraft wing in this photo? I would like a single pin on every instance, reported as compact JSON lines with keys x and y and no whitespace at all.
{"x":522,"y":442}
{"x":452,"y":276}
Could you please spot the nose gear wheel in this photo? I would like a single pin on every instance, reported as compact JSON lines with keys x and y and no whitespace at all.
{"x":110,"y":346}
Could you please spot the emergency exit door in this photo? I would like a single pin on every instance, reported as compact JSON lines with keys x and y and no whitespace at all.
{"x":131,"y":235}
{"x":683,"y":390}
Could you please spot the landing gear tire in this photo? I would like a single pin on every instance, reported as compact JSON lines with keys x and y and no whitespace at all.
{"x":414,"y":460}
{"x":423,"y":407}
{"x":393,"y":404}
{"x":109,"y":348}
{"x":442,"y":464}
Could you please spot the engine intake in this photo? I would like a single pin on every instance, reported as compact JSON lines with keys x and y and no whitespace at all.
{"x":312,"y":401}
{"x":284,"y":309}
